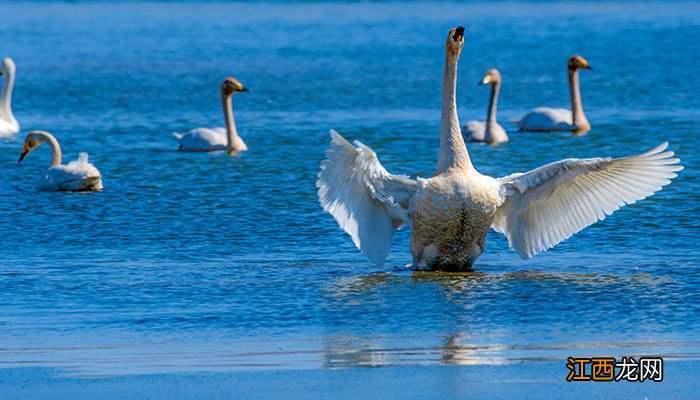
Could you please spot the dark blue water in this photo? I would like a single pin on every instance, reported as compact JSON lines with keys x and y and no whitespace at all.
{"x":198,"y":262}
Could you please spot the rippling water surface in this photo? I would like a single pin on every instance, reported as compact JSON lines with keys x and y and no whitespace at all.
{"x":205,"y":262}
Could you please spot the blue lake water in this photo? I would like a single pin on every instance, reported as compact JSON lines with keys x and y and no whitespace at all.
{"x":206,"y":262}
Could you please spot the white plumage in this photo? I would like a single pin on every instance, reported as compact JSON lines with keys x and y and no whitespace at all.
{"x":202,"y":139}
{"x":213,"y":139}
{"x":489,"y":131}
{"x":549,"y":204}
{"x":76,"y":176}
{"x":8,"y":123}
{"x":475,"y":131}
{"x":366,"y":200}
{"x":544,"y":119}
{"x":452,"y":211}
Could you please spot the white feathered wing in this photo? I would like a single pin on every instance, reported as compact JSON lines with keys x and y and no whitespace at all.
{"x":364,"y":198}
{"x":551,"y":203}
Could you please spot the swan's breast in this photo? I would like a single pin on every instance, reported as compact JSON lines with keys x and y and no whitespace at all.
{"x":451,"y":217}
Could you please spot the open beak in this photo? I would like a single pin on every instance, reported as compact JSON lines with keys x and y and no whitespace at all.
{"x":459,"y":33}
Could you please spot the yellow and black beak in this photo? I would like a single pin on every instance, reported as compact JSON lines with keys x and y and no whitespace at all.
{"x":459,"y":33}
{"x":245,"y":90}
{"x":588,"y":67}
{"x":25,"y":151}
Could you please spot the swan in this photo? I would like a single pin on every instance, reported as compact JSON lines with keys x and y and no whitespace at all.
{"x":76,"y":176}
{"x":8,"y":123}
{"x":452,"y":211}
{"x":545,"y":119}
{"x":489,"y":131}
{"x":212,"y":139}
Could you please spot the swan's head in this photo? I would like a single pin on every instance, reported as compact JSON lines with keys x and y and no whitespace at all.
{"x":455,"y":41}
{"x":8,"y":66}
{"x":578,"y":62}
{"x":492,"y":77}
{"x":33,"y":140}
{"x":230,"y":86}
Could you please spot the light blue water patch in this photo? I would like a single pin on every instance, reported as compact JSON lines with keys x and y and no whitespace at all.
{"x":197,"y":262}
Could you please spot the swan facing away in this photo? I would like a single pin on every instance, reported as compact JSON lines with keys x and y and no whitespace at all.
{"x":489,"y":131}
{"x":213,"y":139}
{"x":452,"y":211}
{"x":76,"y":176}
{"x":8,"y":123}
{"x":545,"y":119}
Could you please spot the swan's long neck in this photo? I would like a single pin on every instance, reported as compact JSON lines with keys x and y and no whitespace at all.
{"x":453,"y":151}
{"x":579,"y":118}
{"x":6,"y":96}
{"x":55,"y":148}
{"x":231,"y":132}
{"x":493,"y":105}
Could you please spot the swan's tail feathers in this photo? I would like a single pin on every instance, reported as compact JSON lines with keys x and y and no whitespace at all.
{"x":553,"y":202}
{"x":178,"y":136}
{"x":367,"y":202}
{"x":83,"y":158}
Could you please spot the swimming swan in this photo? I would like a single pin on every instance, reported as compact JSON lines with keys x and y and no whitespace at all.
{"x":8,"y":123}
{"x":76,"y":176}
{"x":452,"y":211}
{"x":213,"y":139}
{"x":489,"y":131}
{"x":545,"y":119}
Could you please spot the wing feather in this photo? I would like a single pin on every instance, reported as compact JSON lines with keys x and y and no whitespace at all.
{"x":367,"y":202}
{"x":551,"y":203}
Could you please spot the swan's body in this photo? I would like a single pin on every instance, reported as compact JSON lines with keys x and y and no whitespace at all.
{"x":546,"y":119}
{"x":213,"y":139}
{"x":8,"y":123}
{"x":475,"y":131}
{"x":452,"y":211}
{"x":203,"y":139}
{"x":489,"y":131}
{"x":76,"y":176}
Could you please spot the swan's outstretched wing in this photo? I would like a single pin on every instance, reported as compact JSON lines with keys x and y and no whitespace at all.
{"x":549,"y":204}
{"x":367,"y":201}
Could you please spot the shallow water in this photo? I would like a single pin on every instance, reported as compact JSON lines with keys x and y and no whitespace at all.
{"x":205,"y":262}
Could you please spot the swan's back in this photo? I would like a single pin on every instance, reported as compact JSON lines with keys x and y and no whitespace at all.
{"x":546,"y":119}
{"x":474,"y":131}
{"x":78,"y":175}
{"x":202,"y":139}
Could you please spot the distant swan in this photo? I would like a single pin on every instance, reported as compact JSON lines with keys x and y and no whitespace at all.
{"x":8,"y":123}
{"x":212,"y":139}
{"x":452,"y":211}
{"x":76,"y":176}
{"x":489,"y":131}
{"x":545,"y":119}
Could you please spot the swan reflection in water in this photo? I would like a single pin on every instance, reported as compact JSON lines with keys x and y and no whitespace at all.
{"x":479,"y":318}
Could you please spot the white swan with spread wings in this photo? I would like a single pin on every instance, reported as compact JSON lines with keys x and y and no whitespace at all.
{"x":452,"y":211}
